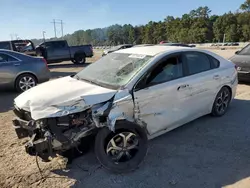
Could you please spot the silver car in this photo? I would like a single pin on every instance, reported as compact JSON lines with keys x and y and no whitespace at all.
{"x":20,"y":71}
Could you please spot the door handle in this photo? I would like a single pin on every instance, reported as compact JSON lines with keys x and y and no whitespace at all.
{"x":17,"y":64}
{"x":216,"y":77}
{"x":182,"y":87}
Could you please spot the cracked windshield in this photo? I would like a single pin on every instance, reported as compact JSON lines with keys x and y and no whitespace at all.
{"x":115,"y":69}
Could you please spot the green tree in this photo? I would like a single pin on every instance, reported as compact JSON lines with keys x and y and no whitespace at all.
{"x":245,"y":6}
{"x":194,"y":27}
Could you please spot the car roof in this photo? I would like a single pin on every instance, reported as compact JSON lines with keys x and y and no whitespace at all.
{"x":150,"y":50}
{"x":6,"y":51}
{"x":16,"y":54}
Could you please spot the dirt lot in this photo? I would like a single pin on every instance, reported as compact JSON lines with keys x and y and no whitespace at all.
{"x":208,"y":152}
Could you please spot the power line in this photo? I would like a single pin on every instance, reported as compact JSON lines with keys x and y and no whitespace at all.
{"x":14,"y":36}
{"x":56,"y":21}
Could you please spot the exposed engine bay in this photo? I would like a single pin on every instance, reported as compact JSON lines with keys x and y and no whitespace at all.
{"x":54,"y":135}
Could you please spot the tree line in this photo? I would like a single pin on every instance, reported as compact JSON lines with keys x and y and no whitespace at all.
{"x":197,"y":26}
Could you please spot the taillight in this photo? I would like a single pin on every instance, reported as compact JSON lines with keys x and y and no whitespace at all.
{"x":44,"y":60}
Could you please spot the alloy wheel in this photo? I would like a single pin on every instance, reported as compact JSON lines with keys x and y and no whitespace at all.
{"x":26,"y":83}
{"x":122,"y":147}
{"x":222,"y":101}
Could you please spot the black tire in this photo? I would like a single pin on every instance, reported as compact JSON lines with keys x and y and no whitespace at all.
{"x":30,"y":79}
{"x":103,"y":138}
{"x":79,"y":59}
{"x":221,"y":102}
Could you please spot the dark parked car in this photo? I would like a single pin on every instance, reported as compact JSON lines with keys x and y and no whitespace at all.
{"x":119,"y":47}
{"x":175,"y":44}
{"x":58,"y":51}
{"x":242,"y":60}
{"x":23,"y":46}
{"x":20,"y":71}
{"x":142,"y":45}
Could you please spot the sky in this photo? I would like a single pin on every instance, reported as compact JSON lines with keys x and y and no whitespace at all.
{"x":29,"y":18}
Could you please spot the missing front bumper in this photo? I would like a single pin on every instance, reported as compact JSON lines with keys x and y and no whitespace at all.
{"x":22,"y":128}
{"x":35,"y":146}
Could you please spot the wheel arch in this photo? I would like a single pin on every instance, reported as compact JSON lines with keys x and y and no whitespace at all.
{"x":79,"y":53}
{"x":230,"y":90}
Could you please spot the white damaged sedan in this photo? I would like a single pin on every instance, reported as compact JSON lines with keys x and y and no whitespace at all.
{"x":124,"y":99}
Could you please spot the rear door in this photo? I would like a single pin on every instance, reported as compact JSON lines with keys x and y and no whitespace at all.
{"x":204,"y":78}
{"x":8,"y":68}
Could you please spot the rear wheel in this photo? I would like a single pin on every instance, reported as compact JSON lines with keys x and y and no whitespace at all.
{"x":122,"y":150}
{"x":25,"y":82}
{"x":221,"y":102}
{"x":79,"y":59}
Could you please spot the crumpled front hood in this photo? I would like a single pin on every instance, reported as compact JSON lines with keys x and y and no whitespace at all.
{"x":61,"y":97}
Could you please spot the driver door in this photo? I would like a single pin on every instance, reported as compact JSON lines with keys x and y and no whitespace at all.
{"x":162,"y":96}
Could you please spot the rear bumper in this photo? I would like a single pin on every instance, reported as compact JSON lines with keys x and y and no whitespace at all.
{"x":244,"y":76}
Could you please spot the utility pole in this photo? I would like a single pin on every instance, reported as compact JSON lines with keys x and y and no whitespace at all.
{"x":44,"y":36}
{"x":224,"y":38}
{"x":58,"y":22}
{"x":62,"y":27}
{"x":54,"y":22}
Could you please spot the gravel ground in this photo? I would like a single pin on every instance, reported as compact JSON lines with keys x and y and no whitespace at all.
{"x":208,"y":152}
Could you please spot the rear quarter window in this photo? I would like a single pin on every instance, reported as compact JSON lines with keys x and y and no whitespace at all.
{"x":215,"y":63}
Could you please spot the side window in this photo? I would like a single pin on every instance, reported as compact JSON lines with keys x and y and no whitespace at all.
{"x":48,"y":44}
{"x":214,"y":62}
{"x":197,"y":62}
{"x":61,"y":44}
{"x":6,"y":58}
{"x":169,"y":69}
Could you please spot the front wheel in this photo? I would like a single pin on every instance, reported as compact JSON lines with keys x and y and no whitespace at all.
{"x":221,"y":102}
{"x":123,"y":150}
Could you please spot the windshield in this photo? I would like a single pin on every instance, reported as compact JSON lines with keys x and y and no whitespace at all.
{"x":245,"y":50}
{"x":28,"y":47}
{"x":114,"y":70}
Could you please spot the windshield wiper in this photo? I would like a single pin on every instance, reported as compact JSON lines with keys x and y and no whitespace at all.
{"x":90,"y":81}
{"x":77,"y":77}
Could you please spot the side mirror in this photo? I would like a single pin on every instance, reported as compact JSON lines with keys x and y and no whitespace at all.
{"x":237,"y":52}
{"x":142,"y":84}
